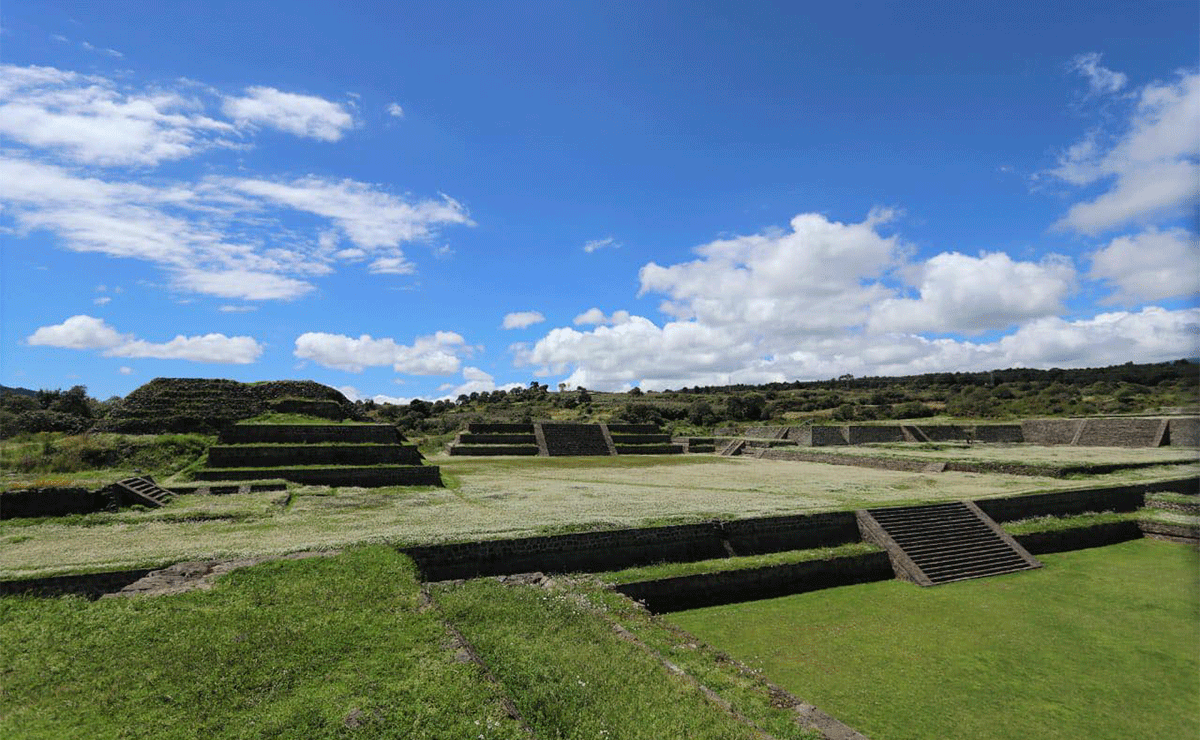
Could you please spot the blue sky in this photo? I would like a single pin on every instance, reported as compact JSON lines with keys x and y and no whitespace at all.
{"x":421,"y":200}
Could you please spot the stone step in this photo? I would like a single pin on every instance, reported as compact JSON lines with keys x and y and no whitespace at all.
{"x":942,"y":543}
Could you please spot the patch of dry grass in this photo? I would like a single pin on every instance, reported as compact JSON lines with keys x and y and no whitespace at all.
{"x":489,"y":499}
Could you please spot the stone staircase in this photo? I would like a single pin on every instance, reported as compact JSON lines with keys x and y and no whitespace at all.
{"x":367,"y":455}
{"x":941,"y":543}
{"x":576,"y":439}
{"x":143,"y":491}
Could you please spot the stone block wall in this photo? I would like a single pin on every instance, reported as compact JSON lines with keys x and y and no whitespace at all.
{"x":408,"y":475}
{"x":824,"y":436}
{"x":625,"y":548}
{"x":1065,"y":503}
{"x":1184,"y":432}
{"x":478,"y":428}
{"x":1119,"y":433}
{"x":469,"y":438}
{"x":1050,"y":431}
{"x":456,"y":449}
{"x":859,"y":434}
{"x":311,"y":434}
{"x":999,"y":433}
{"x":726,"y":587}
{"x":33,"y":502}
{"x":266,"y":456}
{"x":937,"y":433}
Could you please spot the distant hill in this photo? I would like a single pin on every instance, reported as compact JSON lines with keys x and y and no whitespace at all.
{"x":17,"y":391}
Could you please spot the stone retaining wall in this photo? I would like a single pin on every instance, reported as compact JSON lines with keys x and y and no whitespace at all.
{"x":1063,"y":503}
{"x":413,"y":475}
{"x":1079,"y":538}
{"x":1119,"y":433}
{"x":92,"y":585}
{"x":644,"y":449}
{"x":33,"y":502}
{"x":274,"y":456}
{"x":491,"y":450}
{"x":1184,"y":432}
{"x":732,"y":586}
{"x":468,"y":438}
{"x":311,"y":434}
{"x":626,"y":548}
{"x":479,"y":428}
{"x":859,"y":434}
{"x":999,"y":433}
{"x":640,"y":439}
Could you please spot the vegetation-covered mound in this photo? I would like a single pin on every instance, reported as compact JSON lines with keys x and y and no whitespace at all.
{"x":207,"y":406}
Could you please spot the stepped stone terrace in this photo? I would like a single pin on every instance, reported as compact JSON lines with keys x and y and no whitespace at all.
{"x":560,"y":439}
{"x":367,"y":455}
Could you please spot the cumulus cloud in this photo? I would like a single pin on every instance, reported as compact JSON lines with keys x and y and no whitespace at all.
{"x":819,"y":276}
{"x":597,"y":244}
{"x":395,"y":111}
{"x":474,"y":381}
{"x":1149,"y":266}
{"x":1149,"y":169}
{"x":974,"y":294}
{"x":594,"y":317}
{"x":87,"y":332}
{"x":522,"y":319}
{"x":434,"y":354}
{"x":303,"y":115}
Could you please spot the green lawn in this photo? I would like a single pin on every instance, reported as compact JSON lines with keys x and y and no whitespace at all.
{"x":1101,"y":643}
{"x":319,"y":648}
{"x":572,"y":676}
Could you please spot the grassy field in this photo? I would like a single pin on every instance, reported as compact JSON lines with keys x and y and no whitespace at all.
{"x":344,"y":647}
{"x":1099,"y":644}
{"x":318,"y":648}
{"x":488,"y":499}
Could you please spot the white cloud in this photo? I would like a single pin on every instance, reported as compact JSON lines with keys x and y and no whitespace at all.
{"x":596,"y":244}
{"x":369,"y":217}
{"x":392,"y":266}
{"x":522,"y":319}
{"x":126,"y":370}
{"x":89,"y":120}
{"x":303,"y":115}
{"x":594,"y":317}
{"x":237,"y":309}
{"x":818,"y":277}
{"x":1148,"y":169}
{"x":229,"y":237}
{"x":974,"y":294}
{"x":102,"y":300}
{"x":395,"y":111}
{"x":79,"y":332}
{"x":1101,"y":79}
{"x":474,"y":381}
{"x":245,"y":284}
{"x":435,"y":354}
{"x":88,"y":332}
{"x":1150,"y":266}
